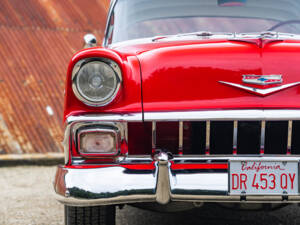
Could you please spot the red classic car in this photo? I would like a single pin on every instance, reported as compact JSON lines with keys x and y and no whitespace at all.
{"x":186,"y":102}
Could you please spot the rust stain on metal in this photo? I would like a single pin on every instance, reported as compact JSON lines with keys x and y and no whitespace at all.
{"x":13,"y":144}
{"x":37,"y":40}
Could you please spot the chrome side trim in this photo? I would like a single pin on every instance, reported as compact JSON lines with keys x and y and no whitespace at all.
{"x":235,"y":199}
{"x":134,"y":117}
{"x":217,"y":115}
{"x":66,"y":143}
{"x":263,"y":92}
{"x":110,"y":11}
{"x":224,"y":115}
{"x":222,"y":158}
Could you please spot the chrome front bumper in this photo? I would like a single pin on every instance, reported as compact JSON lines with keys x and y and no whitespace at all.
{"x":160,"y":180}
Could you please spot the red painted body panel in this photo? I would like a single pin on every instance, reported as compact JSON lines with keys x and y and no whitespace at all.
{"x":185,"y":77}
{"x":129,"y":98}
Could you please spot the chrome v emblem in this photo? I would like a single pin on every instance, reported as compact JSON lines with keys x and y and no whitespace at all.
{"x":259,"y":91}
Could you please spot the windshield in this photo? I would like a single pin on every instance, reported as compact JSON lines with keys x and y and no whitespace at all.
{"x":132,"y":19}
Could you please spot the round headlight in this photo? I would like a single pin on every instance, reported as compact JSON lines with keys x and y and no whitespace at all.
{"x":96,"y":83}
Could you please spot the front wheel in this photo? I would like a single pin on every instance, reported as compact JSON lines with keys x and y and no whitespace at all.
{"x":96,"y":215}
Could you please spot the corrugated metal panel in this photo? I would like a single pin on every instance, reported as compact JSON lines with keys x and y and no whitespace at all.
{"x":37,"y":40}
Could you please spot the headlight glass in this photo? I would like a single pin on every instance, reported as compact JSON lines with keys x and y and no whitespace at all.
{"x":96,"y":83}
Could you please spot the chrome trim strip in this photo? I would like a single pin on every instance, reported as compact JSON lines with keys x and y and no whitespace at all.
{"x":207,"y":141}
{"x":153,"y":136}
{"x":259,"y":91}
{"x":210,"y":158}
{"x":262,"y":136}
{"x":180,"y":144}
{"x":66,"y":143}
{"x":110,"y":11}
{"x":224,"y":115}
{"x":235,"y":199}
{"x":235,"y":133}
{"x":134,"y":117}
{"x":290,"y":133}
{"x":126,"y":132}
{"x":278,"y":36}
{"x":217,"y":115}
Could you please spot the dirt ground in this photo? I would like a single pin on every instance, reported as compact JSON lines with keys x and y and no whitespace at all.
{"x":26,"y":198}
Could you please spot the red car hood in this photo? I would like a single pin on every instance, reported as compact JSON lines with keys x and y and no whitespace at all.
{"x":185,"y":76}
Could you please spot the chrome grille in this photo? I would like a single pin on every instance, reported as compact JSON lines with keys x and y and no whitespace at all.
{"x":235,"y":137}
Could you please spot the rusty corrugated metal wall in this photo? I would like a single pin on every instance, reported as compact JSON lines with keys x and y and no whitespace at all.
{"x":37,"y":40}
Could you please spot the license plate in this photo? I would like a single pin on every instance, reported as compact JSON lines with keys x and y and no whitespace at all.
{"x":263,"y":178}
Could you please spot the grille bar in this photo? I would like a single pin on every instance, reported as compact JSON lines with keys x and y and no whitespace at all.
{"x":262,"y":137}
{"x":207,"y":142}
{"x":153,"y":136}
{"x":180,"y":145}
{"x":290,"y":133}
{"x":235,"y":133}
{"x":248,"y":138}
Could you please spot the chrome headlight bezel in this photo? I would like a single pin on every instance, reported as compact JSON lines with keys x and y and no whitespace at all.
{"x":117,"y":72}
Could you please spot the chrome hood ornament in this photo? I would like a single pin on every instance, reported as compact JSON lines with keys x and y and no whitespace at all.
{"x":261,"y":80}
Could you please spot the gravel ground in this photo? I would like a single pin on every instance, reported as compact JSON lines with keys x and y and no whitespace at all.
{"x":26,"y":198}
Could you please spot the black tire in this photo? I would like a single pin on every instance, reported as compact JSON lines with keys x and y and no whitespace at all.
{"x":96,"y":215}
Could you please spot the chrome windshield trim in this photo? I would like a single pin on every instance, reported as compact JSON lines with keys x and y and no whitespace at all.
{"x":224,"y":115}
{"x":110,"y":11}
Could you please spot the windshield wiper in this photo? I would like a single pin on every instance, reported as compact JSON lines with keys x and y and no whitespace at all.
{"x":198,"y":33}
{"x":269,"y":34}
{"x":266,"y":35}
{"x":234,"y":36}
